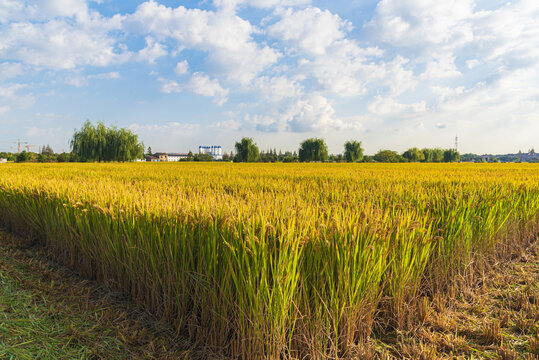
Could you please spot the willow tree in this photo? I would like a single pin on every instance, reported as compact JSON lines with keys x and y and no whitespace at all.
{"x":353,"y":152}
{"x":246,"y":151}
{"x":313,"y":150}
{"x":100,"y":143}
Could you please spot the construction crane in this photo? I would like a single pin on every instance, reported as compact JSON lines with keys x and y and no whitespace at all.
{"x":28,"y":147}
{"x":19,"y":143}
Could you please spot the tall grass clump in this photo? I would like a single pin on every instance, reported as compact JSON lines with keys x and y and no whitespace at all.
{"x":273,"y":260}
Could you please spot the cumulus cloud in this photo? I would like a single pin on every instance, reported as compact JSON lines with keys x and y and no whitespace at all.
{"x":59,"y":44}
{"x":106,"y":76}
{"x":175,"y":128}
{"x":232,"y":4}
{"x":278,"y":87}
{"x":169,"y":86}
{"x":388,"y":106}
{"x":182,"y":68}
{"x":225,"y":37}
{"x":422,"y":25}
{"x":152,"y":51}
{"x":202,"y":84}
{"x":198,"y":83}
{"x":441,"y":68}
{"x":310,"y":30}
{"x":9,"y":70}
{"x":16,"y":94}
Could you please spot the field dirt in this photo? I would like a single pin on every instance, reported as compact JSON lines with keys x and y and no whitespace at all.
{"x":48,"y":312}
{"x":496,"y":318}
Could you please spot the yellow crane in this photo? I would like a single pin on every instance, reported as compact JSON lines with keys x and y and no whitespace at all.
{"x":19,"y":143}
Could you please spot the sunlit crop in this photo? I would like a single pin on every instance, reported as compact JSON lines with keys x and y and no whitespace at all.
{"x":272,"y":260}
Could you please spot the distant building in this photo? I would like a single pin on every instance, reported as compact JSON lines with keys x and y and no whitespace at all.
{"x":161,"y":156}
{"x":487,"y":158}
{"x":3,"y":160}
{"x":151,"y":158}
{"x":177,"y":156}
{"x":215,"y":151}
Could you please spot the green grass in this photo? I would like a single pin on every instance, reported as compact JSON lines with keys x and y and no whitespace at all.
{"x":46,"y":312}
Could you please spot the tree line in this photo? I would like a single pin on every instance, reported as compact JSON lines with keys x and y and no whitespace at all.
{"x":102,"y":144}
{"x":316,"y":150}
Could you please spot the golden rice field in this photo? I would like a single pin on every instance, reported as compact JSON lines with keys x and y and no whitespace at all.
{"x":275,"y":260}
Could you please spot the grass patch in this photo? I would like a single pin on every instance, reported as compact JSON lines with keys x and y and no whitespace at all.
{"x":48,"y":312}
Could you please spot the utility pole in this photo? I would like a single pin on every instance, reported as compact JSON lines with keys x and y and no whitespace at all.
{"x":456,"y":142}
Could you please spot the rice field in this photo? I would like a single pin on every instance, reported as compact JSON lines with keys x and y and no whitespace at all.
{"x":275,"y":260}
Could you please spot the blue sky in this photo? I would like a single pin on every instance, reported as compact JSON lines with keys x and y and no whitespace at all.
{"x":391,"y":73}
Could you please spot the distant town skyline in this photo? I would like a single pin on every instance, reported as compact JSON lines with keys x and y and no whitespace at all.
{"x":392,"y":74}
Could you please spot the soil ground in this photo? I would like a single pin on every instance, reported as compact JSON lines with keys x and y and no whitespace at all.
{"x":48,"y":312}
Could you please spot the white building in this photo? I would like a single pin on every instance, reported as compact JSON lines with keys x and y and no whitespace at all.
{"x":215,"y":151}
{"x":177,"y":156}
{"x":3,"y":160}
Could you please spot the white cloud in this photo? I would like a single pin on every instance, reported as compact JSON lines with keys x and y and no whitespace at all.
{"x":224,"y":36}
{"x":388,"y":106}
{"x":4,"y":109}
{"x":53,"y":8}
{"x":473,"y":63}
{"x":232,"y":4}
{"x":38,"y":132}
{"x":182,"y":68}
{"x":227,"y":125}
{"x":152,"y":51}
{"x":202,"y":84}
{"x":278,"y":87}
{"x":59,"y":45}
{"x":441,"y":68}
{"x":310,"y":30}
{"x":106,"y":76}
{"x":309,"y":113}
{"x":169,"y":86}
{"x":14,"y":94}
{"x":170,"y":128}
{"x":198,"y":83}
{"x":10,"y":70}
{"x":422,"y":25}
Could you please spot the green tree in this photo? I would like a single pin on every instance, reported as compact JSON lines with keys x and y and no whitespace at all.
{"x":25,"y":156}
{"x":433,"y":155}
{"x":246,"y":151}
{"x":313,"y":149}
{"x":353,"y":151}
{"x":99,"y":143}
{"x":203,"y":157}
{"x":451,"y":155}
{"x":413,"y":155}
{"x":149,"y":151}
{"x":387,"y":156}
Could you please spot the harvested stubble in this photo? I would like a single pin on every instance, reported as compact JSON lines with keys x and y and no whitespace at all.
{"x":273,"y":260}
